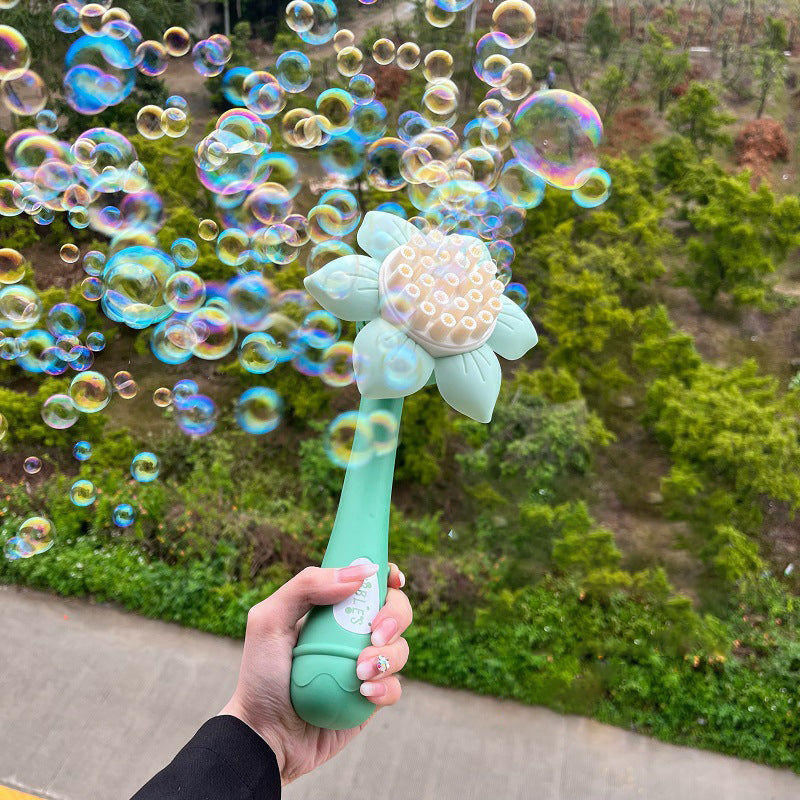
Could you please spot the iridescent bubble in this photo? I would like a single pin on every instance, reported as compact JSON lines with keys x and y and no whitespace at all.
{"x":492,"y":56}
{"x":162,"y":397}
{"x":349,"y":61}
{"x":82,"y":493}
{"x":124,"y":385}
{"x":16,"y":548}
{"x":284,"y":331}
{"x":323,"y":26}
{"x":220,"y":333}
{"x":95,"y":341}
{"x":38,"y":533}
{"x":257,"y":353}
{"x":94,"y":262}
{"x":174,"y":122}
{"x":65,"y":18}
{"x":383,"y":164}
{"x":3,"y":427}
{"x":518,"y":294}
{"x":47,"y":121}
{"x":348,"y":440}
{"x":176,"y":101}
{"x":520,"y":186}
{"x":23,"y":92}
{"x":82,"y":450}
{"x":123,"y":515}
{"x":145,"y":467}
{"x":516,"y":19}
{"x":250,"y":299}
{"x":32,"y":465}
{"x":299,"y":16}
{"x":268,"y":203}
{"x":407,"y":55}
{"x":59,"y":412}
{"x":320,"y":329}
{"x":151,"y":58}
{"x":369,"y":121}
{"x":556,"y":134}
{"x":148,"y":122}
{"x":12,"y":265}
{"x":207,"y":230}
{"x":441,"y":98}
{"x":337,"y":368}
{"x":516,"y":81}
{"x":184,"y":252}
{"x":259,"y":410}
{"x":293,"y":71}
{"x":14,"y":51}
{"x":90,"y":392}
{"x":65,"y":319}
{"x":197,"y":415}
{"x":208,"y":58}
{"x":69,"y":253}
{"x":335,"y":107}
{"x":383,"y":51}
{"x":594,"y":188}
{"x":182,"y":391}
{"x":438,"y":65}
{"x":437,"y":16}
{"x":184,"y":291}
{"x":342,"y":39}
{"x":362,"y":89}
{"x":384,"y":431}
{"x":177,"y":41}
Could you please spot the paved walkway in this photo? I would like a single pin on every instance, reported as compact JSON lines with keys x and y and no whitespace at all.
{"x":93,"y":701}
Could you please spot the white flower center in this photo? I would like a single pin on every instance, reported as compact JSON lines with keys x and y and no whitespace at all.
{"x":443,"y":291}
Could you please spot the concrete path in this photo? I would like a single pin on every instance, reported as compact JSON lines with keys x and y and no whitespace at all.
{"x":93,"y":701}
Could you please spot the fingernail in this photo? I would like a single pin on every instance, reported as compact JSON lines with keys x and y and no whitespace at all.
{"x":358,"y":572}
{"x":371,"y":667}
{"x":402,"y":579}
{"x":384,"y":632}
{"x":372,"y":689}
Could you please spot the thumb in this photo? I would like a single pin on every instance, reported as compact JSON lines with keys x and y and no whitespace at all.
{"x":313,"y":586}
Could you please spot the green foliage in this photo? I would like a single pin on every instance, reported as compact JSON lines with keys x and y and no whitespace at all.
{"x":600,"y":33}
{"x":695,"y":116}
{"x":665,"y":66}
{"x":733,"y":441}
{"x":741,"y":236}
{"x":736,"y":556}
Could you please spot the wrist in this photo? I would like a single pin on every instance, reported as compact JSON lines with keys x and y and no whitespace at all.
{"x":234,"y":708}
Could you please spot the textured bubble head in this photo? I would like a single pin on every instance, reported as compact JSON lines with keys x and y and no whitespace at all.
{"x":443,"y":290}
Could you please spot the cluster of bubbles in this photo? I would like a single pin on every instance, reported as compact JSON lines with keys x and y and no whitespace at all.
{"x":473,"y":174}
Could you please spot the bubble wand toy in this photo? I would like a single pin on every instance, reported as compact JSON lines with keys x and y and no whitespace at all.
{"x":433,"y":312}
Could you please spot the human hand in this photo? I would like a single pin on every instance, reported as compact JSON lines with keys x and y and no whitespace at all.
{"x":262,"y":699}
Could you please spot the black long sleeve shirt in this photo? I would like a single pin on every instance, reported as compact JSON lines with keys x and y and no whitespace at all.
{"x":225,"y":760}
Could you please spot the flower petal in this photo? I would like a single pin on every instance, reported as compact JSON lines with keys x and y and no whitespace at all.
{"x":470,"y":382}
{"x":514,"y":334}
{"x":387,"y":363}
{"x":380,"y":233}
{"x":347,"y":287}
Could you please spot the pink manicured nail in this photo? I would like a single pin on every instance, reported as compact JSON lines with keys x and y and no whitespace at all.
{"x":402,"y":579}
{"x":359,"y":572}
{"x":384,"y":632}
{"x":371,"y":689}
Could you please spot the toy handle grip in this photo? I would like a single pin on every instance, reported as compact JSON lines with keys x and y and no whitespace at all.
{"x":324,"y":687}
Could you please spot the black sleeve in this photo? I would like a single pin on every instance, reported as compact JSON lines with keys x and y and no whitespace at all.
{"x":226,"y":760}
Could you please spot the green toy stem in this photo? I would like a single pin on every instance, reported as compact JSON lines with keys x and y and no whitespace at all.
{"x":324,"y":686}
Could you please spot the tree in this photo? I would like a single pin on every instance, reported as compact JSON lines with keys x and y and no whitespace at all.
{"x":601,"y":34}
{"x":695,"y":116}
{"x":665,"y":66}
{"x":741,"y":236}
{"x":770,"y":60}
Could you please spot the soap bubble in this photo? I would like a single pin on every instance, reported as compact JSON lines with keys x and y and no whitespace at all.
{"x":324,"y":23}
{"x":95,"y":341}
{"x":123,"y":515}
{"x":23,"y":92}
{"x":69,"y":253}
{"x":519,"y":185}
{"x":124,"y":385}
{"x":219,"y":332}
{"x":348,"y":440}
{"x":12,"y":265}
{"x":184,"y":253}
{"x":337,"y":368}
{"x":174,"y":122}
{"x":299,"y":16}
{"x":3,"y":427}
{"x":293,"y":71}
{"x":65,"y":18}
{"x":257,"y":353}
{"x":90,"y":392}
{"x":38,"y":534}
{"x":407,"y":55}
{"x":20,"y":308}
{"x":384,"y":431}
{"x":362,"y":89}
{"x":184,"y":291}
{"x":177,"y":41}
{"x":32,"y":465}
{"x":383,"y":164}
{"x":82,"y":493}
{"x":437,"y":16}
{"x":59,"y":412}
{"x":349,"y":61}
{"x":151,"y":58}
{"x":182,"y":391}
{"x":65,"y":318}
{"x":516,"y":19}
{"x":207,"y":230}
{"x":383,"y":51}
{"x":259,"y":410}
{"x":162,"y":397}
{"x":14,"y":51}
{"x":594,"y":188}
{"x":438,"y":64}
{"x":557,"y":134}
{"x":197,"y":415}
{"x":145,"y":467}
{"x":518,"y":294}
{"x":342,"y":39}
{"x":320,"y":329}
{"x":82,"y":450}
{"x":492,"y":56}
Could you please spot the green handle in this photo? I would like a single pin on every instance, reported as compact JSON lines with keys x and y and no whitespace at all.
{"x":324,"y":686}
